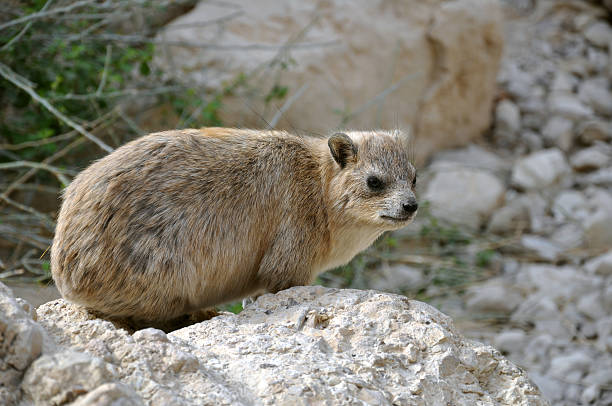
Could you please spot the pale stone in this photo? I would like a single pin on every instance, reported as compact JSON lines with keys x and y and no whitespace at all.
{"x":511,"y":341}
{"x":561,"y":365}
{"x":398,"y":278}
{"x":568,"y":106}
{"x":558,"y":131}
{"x":110,"y":394}
{"x":58,"y":378}
{"x":442,"y":82}
{"x":494,"y":296}
{"x":563,"y":82}
{"x":599,"y":34}
{"x":601,"y":265}
{"x":595,"y":130}
{"x":591,"y":305}
{"x":570,"y":205}
{"x":596,"y":93}
{"x":541,"y":247}
{"x":21,"y":342}
{"x":507,"y":117}
{"x":472,"y":156}
{"x":568,"y":236}
{"x":540,"y":169}
{"x":589,"y":159}
{"x":598,"y":230}
{"x":514,"y":215}
{"x":464,"y":196}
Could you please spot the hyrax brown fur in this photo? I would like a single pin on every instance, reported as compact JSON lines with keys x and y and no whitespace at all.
{"x":182,"y":220}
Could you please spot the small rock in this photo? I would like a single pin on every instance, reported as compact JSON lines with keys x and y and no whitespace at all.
{"x":558,"y":131}
{"x":150,"y":334}
{"x":540,"y":169}
{"x":595,"y":130}
{"x":568,"y":106}
{"x":599,"y":34}
{"x":601,"y":177}
{"x":568,"y":236}
{"x":590,"y":394}
{"x":510,"y":217}
{"x":562,"y":365}
{"x":399,"y":278}
{"x":596,"y":93}
{"x":532,"y":140}
{"x":601,"y":265}
{"x":591,"y":305}
{"x":589,"y":159}
{"x":59,"y":378}
{"x":110,"y":394}
{"x":507,"y":117}
{"x":563,"y":82}
{"x":541,"y":247}
{"x":493,"y":296}
{"x":511,"y":341}
{"x":471,"y":156}
{"x":551,"y":388}
{"x":570,"y":205}
{"x":598,"y":230}
{"x":474,"y":195}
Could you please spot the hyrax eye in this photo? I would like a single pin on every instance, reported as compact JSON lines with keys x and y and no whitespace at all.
{"x":414,"y":180}
{"x":374,"y":183}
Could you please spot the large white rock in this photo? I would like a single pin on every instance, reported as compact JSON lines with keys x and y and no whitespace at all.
{"x":540,"y":169}
{"x":305,"y":345}
{"x":365,"y":64}
{"x":464,"y":196}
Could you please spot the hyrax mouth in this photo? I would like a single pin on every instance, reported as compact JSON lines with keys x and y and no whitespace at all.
{"x":399,"y":219}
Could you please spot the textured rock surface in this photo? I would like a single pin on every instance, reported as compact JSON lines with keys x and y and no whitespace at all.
{"x":305,"y":345}
{"x":21,"y":342}
{"x":432,"y":64}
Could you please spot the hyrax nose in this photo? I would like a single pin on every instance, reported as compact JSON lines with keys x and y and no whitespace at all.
{"x":410,"y":207}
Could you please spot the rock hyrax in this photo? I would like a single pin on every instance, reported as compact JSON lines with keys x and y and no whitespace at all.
{"x":182,"y":220}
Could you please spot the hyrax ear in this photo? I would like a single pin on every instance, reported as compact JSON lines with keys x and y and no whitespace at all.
{"x":342,"y":148}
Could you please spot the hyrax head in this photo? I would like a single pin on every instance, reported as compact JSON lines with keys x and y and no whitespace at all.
{"x":374,"y":181}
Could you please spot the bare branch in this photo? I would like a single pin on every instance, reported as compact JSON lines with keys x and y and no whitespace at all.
{"x":287,"y":105}
{"x":37,"y":143}
{"x":109,"y":51}
{"x":27,"y":209}
{"x":59,"y":173}
{"x":12,"y":77}
{"x":42,"y":14}
{"x":23,"y":31}
{"x":119,"y":93}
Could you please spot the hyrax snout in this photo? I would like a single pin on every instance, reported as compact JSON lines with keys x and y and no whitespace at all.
{"x":182,"y":220}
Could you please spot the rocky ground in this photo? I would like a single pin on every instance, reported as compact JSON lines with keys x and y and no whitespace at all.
{"x":541,"y":187}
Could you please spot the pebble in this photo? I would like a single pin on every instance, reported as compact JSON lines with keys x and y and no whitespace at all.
{"x":599,"y":34}
{"x":559,"y":131}
{"x":569,"y":106}
{"x":540,"y":169}
{"x":596,"y":93}
{"x":589,"y":159}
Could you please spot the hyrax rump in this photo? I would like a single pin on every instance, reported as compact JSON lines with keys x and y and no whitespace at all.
{"x":182,"y":220}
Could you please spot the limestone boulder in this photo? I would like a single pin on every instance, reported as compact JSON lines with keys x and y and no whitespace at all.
{"x":305,"y":345}
{"x":430,"y":66}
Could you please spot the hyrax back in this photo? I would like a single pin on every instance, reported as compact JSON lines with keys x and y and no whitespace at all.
{"x":181,"y":220}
